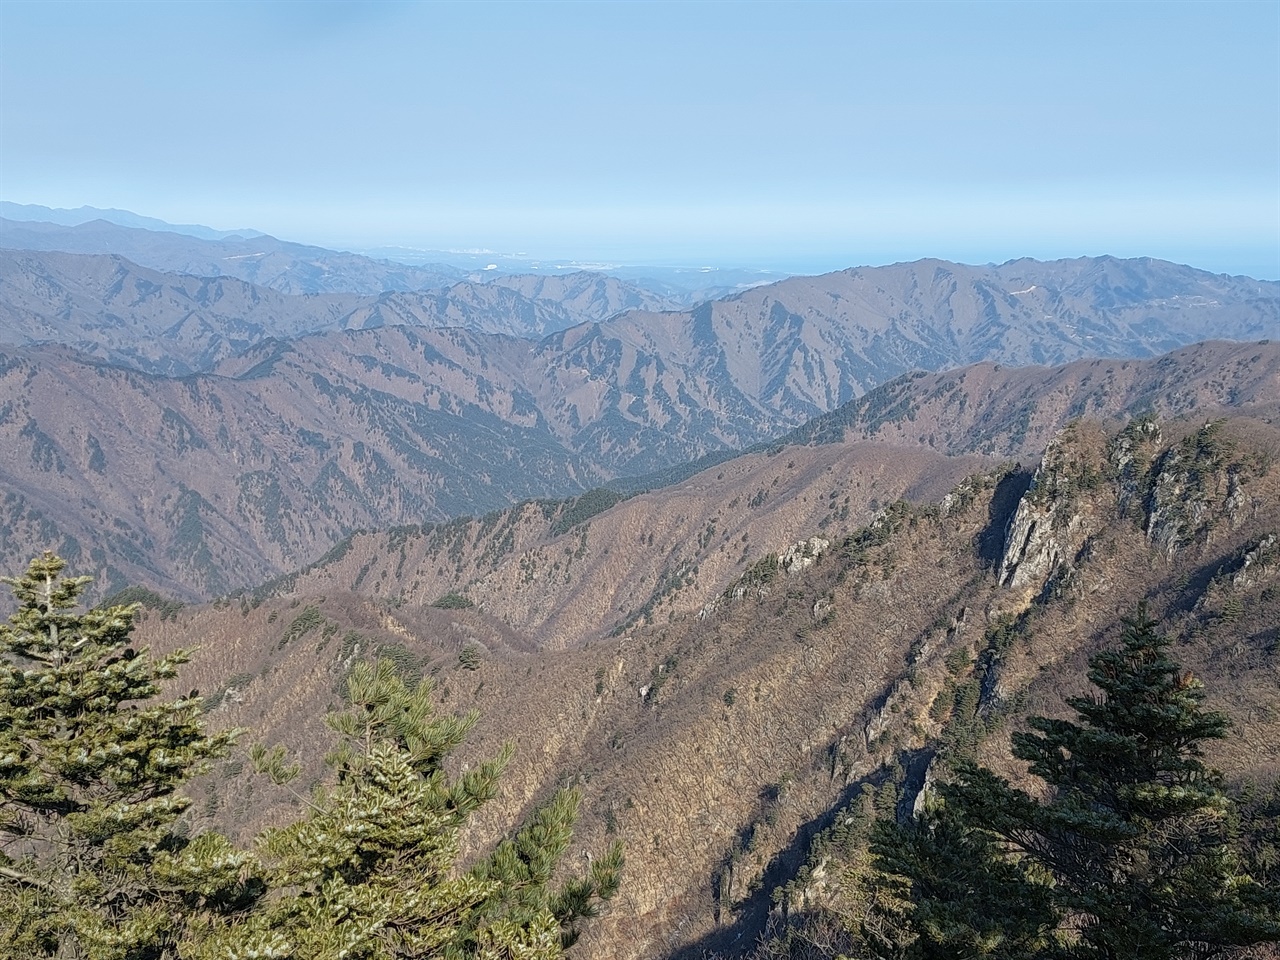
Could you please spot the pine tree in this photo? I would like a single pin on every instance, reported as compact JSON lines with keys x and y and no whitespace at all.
{"x":943,"y":891}
{"x":370,"y":871}
{"x":95,"y":860}
{"x":1134,"y":836}
{"x":524,"y":865}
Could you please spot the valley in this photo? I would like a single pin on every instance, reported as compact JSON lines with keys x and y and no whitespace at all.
{"x":737,"y":570}
{"x":267,"y":425}
{"x":722,"y":730}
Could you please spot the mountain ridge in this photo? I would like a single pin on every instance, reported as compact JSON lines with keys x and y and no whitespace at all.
{"x":280,"y":265}
{"x":721,"y":740}
{"x":178,"y":323}
{"x":203,"y":484}
{"x":25,"y":212}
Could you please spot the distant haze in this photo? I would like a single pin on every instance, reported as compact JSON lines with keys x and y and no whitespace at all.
{"x":798,"y":137}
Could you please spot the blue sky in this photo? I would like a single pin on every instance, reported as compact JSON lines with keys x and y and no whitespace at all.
{"x":798,"y":135}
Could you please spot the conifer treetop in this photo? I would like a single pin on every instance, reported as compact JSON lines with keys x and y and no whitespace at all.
{"x":94,"y":859}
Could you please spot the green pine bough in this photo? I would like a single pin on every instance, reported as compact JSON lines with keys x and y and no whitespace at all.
{"x":98,"y":861}
{"x":1129,"y":853}
{"x":94,"y":857}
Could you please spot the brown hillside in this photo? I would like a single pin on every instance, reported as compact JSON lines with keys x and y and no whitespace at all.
{"x":1015,"y":411}
{"x":210,"y":483}
{"x":648,"y":559}
{"x":718,"y":743}
{"x":803,"y":346}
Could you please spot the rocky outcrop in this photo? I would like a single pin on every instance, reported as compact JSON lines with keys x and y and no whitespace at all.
{"x":1131,"y":454}
{"x":1259,"y":558}
{"x":1046,"y":530}
{"x":1038,"y":545}
{"x":1193,"y":485}
{"x":800,"y":556}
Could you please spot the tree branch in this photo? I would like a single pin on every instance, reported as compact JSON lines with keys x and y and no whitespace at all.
{"x":18,"y":877}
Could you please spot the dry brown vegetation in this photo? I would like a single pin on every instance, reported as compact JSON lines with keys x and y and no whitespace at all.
{"x":650,"y":558}
{"x":277,"y":448}
{"x":719,"y":736}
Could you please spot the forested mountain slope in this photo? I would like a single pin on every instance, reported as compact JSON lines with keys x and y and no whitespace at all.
{"x":806,"y":345}
{"x":1012,"y":411}
{"x":718,"y":740}
{"x":207,"y":483}
{"x":202,"y":484}
{"x":179,"y":323}
{"x":287,"y":421}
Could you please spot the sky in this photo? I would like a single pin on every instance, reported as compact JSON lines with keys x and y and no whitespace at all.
{"x":798,"y":136}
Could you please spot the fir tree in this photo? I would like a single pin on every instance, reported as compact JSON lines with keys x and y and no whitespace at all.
{"x":524,"y":865}
{"x":1133,"y":838}
{"x":95,"y":860}
{"x":370,"y":871}
{"x":944,"y":892}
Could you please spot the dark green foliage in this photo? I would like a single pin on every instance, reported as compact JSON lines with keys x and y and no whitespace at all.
{"x":45,"y":455}
{"x":95,"y":861}
{"x":97,"y":459}
{"x":522,"y":867}
{"x":958,"y":661}
{"x":880,"y":531}
{"x":964,"y":727}
{"x":408,"y":665}
{"x":1207,"y":449}
{"x":1136,"y":840}
{"x":165,"y":606}
{"x":759,"y":573}
{"x":583,"y":508}
{"x":944,"y":702}
{"x":845,"y":840}
{"x":369,"y":871}
{"x":945,"y":892}
{"x":98,"y":863}
{"x":891,"y":402}
{"x":670,"y":581}
{"x":1003,"y":632}
{"x":309,"y":619}
{"x":1256,"y":829}
{"x":453,"y":601}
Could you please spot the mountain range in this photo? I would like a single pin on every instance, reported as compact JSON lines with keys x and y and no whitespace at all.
{"x":730,"y":667}
{"x":206,"y":483}
{"x":737,"y":569}
{"x":301,"y":268}
{"x":179,"y":323}
{"x":34,"y":212}
{"x":231,"y":431}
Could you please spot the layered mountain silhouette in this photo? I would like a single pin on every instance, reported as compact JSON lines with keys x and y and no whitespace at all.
{"x":277,"y":264}
{"x":204,"y":483}
{"x":239,"y":430}
{"x":61,"y":216}
{"x":729,"y":568}
{"x":178,"y":323}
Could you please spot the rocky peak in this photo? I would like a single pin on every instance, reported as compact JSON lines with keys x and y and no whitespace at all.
{"x":1050,"y":525}
{"x":1192,"y":483}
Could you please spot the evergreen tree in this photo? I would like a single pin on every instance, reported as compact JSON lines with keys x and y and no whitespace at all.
{"x":523,"y":868}
{"x":1134,"y":835}
{"x":945,"y":892}
{"x":369,"y":872}
{"x":95,"y":861}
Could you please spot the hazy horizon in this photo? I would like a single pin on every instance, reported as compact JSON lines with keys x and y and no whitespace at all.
{"x":509,"y":260}
{"x":798,"y":137}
